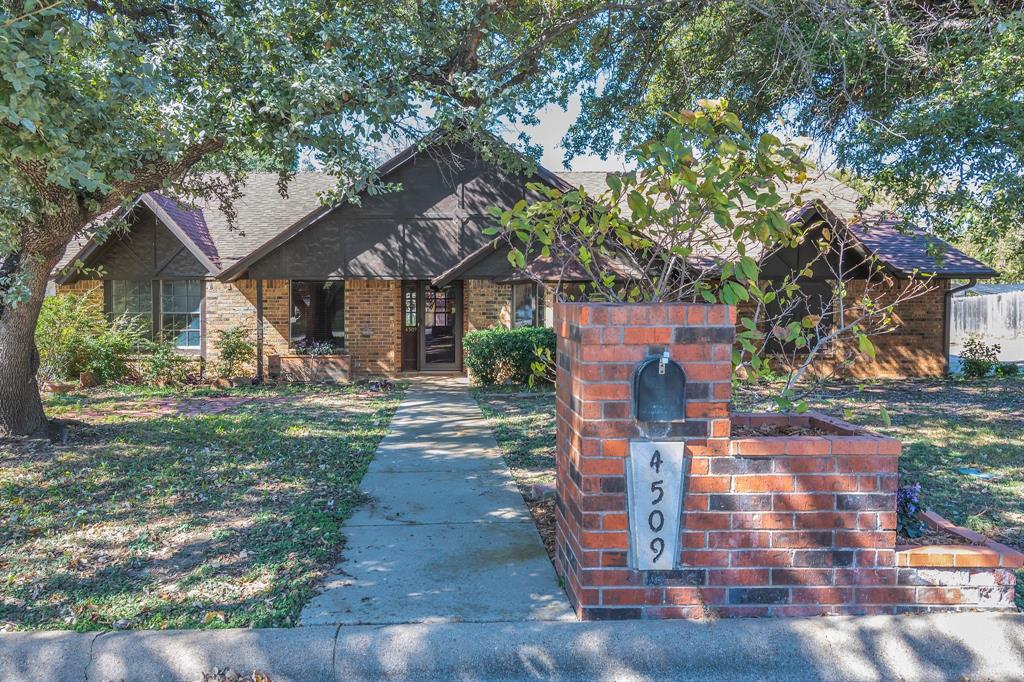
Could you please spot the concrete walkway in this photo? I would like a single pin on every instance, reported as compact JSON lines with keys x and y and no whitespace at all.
{"x":932,"y":648}
{"x":447,"y":536}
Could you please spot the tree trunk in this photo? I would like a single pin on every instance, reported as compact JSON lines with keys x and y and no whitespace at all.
{"x":21,"y":409}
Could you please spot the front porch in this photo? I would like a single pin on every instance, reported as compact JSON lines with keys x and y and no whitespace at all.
{"x":391,"y":327}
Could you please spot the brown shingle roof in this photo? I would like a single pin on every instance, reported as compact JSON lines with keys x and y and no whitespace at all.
{"x":263,"y":214}
{"x":905,"y":248}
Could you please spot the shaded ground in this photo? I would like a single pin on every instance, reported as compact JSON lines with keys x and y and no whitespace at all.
{"x":203,"y":509}
{"x":524,"y":426}
{"x":945,"y":425}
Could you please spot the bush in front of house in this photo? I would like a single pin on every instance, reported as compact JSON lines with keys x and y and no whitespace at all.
{"x":163,"y":365}
{"x":74,"y":336}
{"x":979,"y":357}
{"x":1008,"y":369}
{"x":506,"y":356}
{"x":235,"y":351}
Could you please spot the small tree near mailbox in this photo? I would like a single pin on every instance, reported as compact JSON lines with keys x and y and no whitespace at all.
{"x":706,"y":206}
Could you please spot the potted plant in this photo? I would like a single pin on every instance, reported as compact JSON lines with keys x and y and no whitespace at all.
{"x":312,"y":361}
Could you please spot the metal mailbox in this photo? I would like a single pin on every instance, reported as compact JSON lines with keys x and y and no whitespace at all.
{"x":659,"y":390}
{"x":656,"y":474}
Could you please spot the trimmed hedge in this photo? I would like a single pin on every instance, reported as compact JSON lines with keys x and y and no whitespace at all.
{"x":505,"y":356}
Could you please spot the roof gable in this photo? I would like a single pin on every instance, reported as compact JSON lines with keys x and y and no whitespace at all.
{"x":436,"y":220}
{"x":150,"y":249}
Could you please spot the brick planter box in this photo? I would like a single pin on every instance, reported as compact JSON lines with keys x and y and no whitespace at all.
{"x":311,"y":368}
{"x":770,"y":524}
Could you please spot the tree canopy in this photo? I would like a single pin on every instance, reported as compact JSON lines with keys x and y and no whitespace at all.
{"x":920,"y":100}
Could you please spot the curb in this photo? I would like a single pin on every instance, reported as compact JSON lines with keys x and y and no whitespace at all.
{"x":929,"y":647}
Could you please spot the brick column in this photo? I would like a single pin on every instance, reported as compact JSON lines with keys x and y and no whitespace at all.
{"x":599,"y":346}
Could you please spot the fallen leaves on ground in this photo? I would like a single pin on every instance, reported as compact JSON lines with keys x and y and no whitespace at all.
{"x":163,"y":511}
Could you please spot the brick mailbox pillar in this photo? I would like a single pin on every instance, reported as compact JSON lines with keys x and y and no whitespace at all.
{"x":778,"y":514}
{"x":599,"y":347}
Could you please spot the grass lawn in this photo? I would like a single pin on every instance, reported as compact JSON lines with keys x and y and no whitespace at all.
{"x":523,"y":421}
{"x":182,"y":509}
{"x":524,"y":426}
{"x":945,"y":425}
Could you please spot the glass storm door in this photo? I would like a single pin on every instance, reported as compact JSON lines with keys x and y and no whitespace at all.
{"x":441,"y":327}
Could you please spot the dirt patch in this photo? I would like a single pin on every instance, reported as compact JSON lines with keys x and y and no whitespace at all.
{"x":933,"y":536}
{"x":760,"y":431}
{"x":543,"y":512}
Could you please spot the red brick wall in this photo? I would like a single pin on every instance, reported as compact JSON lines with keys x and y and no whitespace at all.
{"x":770,"y":525}
{"x":373,"y":326}
{"x":598,"y":348}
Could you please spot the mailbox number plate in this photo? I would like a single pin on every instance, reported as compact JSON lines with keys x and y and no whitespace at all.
{"x":655,"y":491}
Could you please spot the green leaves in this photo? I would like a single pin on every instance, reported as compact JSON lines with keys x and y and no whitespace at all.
{"x":865,"y":345}
{"x":637,"y":204}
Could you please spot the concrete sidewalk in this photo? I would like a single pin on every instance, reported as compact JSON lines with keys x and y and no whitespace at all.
{"x":447,"y":536}
{"x":929,"y":648}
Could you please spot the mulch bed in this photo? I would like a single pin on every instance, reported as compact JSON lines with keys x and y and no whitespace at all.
{"x":740,"y":431}
{"x":933,"y":536}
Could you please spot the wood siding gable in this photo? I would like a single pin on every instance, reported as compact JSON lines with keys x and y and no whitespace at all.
{"x":147,"y":250}
{"x":419,"y":232}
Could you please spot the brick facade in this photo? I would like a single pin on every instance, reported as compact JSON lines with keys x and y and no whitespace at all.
{"x":232,"y":304}
{"x":770,"y":525}
{"x":91,"y":289}
{"x":373,"y":326}
{"x":915,"y":349}
{"x":487,"y":304}
{"x":372,"y":316}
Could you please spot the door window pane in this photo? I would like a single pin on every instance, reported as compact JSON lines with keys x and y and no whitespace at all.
{"x":318,"y":312}
{"x":133,"y":298}
{"x":439,"y":325}
{"x":180,"y":312}
{"x":524,"y":305}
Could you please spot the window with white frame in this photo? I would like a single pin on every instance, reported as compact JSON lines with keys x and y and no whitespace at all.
{"x":181,"y":312}
{"x":173,"y":314}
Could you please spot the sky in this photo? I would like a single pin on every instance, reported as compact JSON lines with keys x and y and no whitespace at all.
{"x":554,"y":122}
{"x":548,"y":134}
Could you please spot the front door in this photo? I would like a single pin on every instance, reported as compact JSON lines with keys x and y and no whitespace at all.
{"x":431,"y":327}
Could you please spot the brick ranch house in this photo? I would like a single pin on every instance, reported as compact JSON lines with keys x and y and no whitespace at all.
{"x":395,"y":282}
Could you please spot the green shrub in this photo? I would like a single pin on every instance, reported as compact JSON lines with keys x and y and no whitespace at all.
{"x":109,"y":353}
{"x":1008,"y":369}
{"x":235,"y":351}
{"x":74,"y":336}
{"x":979,"y":357}
{"x":163,"y":365}
{"x":506,"y":356}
